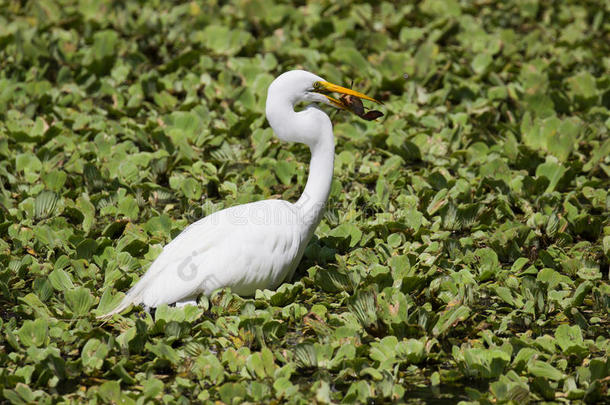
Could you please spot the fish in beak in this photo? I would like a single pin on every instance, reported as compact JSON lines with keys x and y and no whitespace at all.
{"x":349,"y":100}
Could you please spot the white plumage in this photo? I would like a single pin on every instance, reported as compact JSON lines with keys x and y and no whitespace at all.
{"x":256,"y":245}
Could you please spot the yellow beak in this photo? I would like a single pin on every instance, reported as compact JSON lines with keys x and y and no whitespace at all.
{"x":330,"y":87}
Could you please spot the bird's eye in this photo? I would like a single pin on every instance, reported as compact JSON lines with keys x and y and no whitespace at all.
{"x":317,"y":85}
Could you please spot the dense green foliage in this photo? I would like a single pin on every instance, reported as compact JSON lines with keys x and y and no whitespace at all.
{"x":465,"y":251}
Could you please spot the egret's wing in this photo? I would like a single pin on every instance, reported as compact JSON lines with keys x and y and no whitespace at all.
{"x":245,"y":247}
{"x":243,"y":255}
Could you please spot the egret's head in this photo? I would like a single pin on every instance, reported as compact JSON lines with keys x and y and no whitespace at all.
{"x":295,"y":86}
{"x":306,"y":127}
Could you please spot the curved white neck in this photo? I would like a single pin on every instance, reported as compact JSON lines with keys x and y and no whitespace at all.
{"x":289,"y":125}
{"x":313,"y":200}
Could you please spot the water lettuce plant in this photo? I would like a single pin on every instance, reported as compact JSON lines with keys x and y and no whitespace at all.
{"x":465,"y":249}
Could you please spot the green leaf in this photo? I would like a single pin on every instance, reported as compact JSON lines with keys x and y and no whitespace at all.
{"x":34,"y":333}
{"x":489,"y":263}
{"x":449,"y":318}
{"x":285,"y":170}
{"x":413,"y":350}
{"x":481,"y":62}
{"x":232,"y":393}
{"x":79,"y":300}
{"x":222,"y":39}
{"x":351,"y":57}
{"x":152,"y":388}
{"x":191,"y":189}
{"x":94,"y":353}
{"x":583,"y":85}
{"x":104,"y":43}
{"x":61,"y":280}
{"x":88,"y":211}
{"x":128,"y":206}
{"x":164,"y":351}
{"x":551,"y":134}
{"x":45,"y":204}
{"x":55,"y":180}
{"x":27,"y":162}
{"x":553,"y":171}
{"x":110,"y":392}
{"x":570,"y":339}
{"x":384,"y":351}
{"x":207,"y":367}
{"x":562,"y":143}
{"x":438,"y":202}
{"x":539,"y":368}
{"x":348,"y":232}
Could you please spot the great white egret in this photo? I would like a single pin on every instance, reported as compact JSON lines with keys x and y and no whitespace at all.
{"x":256,"y":245}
